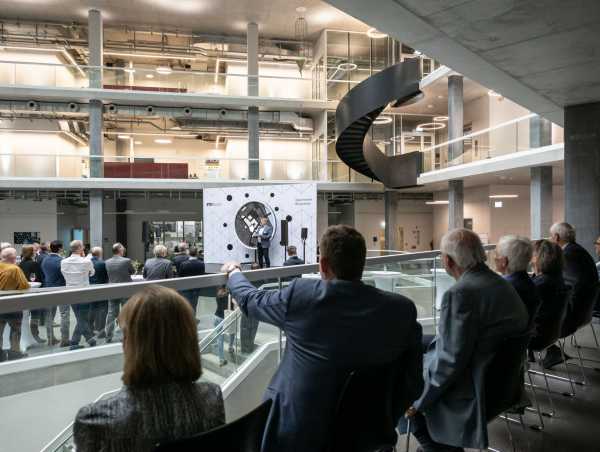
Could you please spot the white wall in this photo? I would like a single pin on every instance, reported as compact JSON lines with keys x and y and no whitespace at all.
{"x":28,"y":216}
{"x":37,"y":74}
{"x":289,"y":87}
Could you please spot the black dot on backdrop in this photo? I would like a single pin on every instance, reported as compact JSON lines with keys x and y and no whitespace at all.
{"x":230,"y":247}
{"x":288,"y":218}
{"x":276,"y":209}
{"x":247,"y":195}
{"x":272,"y":195}
{"x":224,"y":225}
{"x":229,"y":197}
{"x":247,"y":256}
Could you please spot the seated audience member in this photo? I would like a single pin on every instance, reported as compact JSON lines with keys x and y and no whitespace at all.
{"x":119,"y":269}
{"x":293,"y":258}
{"x":181,"y":255}
{"x":192,"y":266}
{"x":477,"y":313}
{"x":33,"y":272}
{"x":548,"y":263}
{"x":53,"y":277}
{"x":580,"y":274}
{"x":11,"y":278}
{"x":513,"y":255}
{"x":161,"y":399}
{"x":98,"y":309}
{"x":326,"y":322}
{"x":158,"y":267}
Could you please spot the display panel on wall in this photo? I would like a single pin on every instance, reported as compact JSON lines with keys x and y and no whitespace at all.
{"x":26,"y":238}
{"x":232,"y":216}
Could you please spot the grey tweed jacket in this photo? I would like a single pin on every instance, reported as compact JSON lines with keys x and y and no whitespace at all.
{"x":136,"y":419}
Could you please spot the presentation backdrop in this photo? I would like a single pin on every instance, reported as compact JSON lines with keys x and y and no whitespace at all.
{"x":231,"y":216}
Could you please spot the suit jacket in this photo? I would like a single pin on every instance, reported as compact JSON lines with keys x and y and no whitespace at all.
{"x":158,"y":268}
{"x":135,"y":419}
{"x":477,"y":312}
{"x":331,"y":327}
{"x":29,"y":267}
{"x":265,"y":235}
{"x":192,"y":267}
{"x":554,"y":298}
{"x":581,"y":274}
{"x":527,"y":291}
{"x":39,"y":259}
{"x":119,"y":269}
{"x":294,"y":260}
{"x":179,"y":259}
{"x":100,"y":274}
{"x":53,"y":276}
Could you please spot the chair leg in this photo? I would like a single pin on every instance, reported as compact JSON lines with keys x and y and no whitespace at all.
{"x":550,"y":401}
{"x":537,"y":406}
{"x":564,"y":357}
{"x":407,"y":434}
{"x":594,"y":333}
{"x":581,"y":366}
{"x":510,"y":436}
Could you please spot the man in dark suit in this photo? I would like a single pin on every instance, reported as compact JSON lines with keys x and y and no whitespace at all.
{"x":180,"y":256}
{"x":293,"y":258}
{"x":53,"y":277}
{"x":332,"y":326}
{"x":263,"y":236}
{"x":477,"y":313}
{"x":193,"y":266}
{"x":98,"y":309}
{"x":580,"y":274}
{"x":513,"y":255}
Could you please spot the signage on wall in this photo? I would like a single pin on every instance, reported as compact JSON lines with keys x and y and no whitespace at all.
{"x":26,"y":238}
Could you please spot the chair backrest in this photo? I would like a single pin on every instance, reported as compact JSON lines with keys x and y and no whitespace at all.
{"x":242,"y":435}
{"x":548,"y":332}
{"x":581,"y":312}
{"x":369,"y":408}
{"x":504,"y":381}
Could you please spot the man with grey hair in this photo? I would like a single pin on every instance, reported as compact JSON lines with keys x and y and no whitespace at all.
{"x":513,"y":255}
{"x":181,"y":256}
{"x":580,"y":273}
{"x":158,"y":267}
{"x":477,"y":313}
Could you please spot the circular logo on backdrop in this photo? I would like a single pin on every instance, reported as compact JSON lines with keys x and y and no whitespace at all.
{"x":247,"y":221}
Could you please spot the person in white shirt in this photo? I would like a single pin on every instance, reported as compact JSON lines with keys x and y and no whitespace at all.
{"x":77,"y":270}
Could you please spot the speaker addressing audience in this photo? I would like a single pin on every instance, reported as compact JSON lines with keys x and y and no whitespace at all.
{"x":293,"y":258}
{"x":161,"y":399}
{"x":332,"y":325}
{"x":263,"y":236}
{"x":581,"y":274}
{"x":477,"y":313}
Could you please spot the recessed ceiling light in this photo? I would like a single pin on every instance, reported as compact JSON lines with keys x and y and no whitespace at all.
{"x":165,"y":70}
{"x":123,"y":137}
{"x":374,"y":34}
{"x":301,"y":9}
{"x":498,"y":204}
{"x":440,"y":118}
{"x":503,"y":196}
{"x":383,"y":224}
{"x":437,"y":203}
{"x":345,"y":67}
{"x":430,"y":106}
{"x":163,"y":141}
{"x":429,"y":126}
{"x":149,"y":75}
{"x":440,"y":96}
{"x":137,"y":142}
{"x":382,"y":120}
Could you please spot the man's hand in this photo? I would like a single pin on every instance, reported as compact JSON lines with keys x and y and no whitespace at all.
{"x":230,"y":267}
{"x":410,"y":412}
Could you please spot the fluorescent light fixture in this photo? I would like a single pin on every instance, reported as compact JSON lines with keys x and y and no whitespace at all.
{"x":430,"y":126}
{"x":346,"y":67}
{"x":503,"y":196}
{"x":163,"y":141}
{"x":129,"y":70}
{"x":374,"y":34}
{"x":153,"y":56}
{"x":164,"y":70}
{"x":149,"y":75}
{"x":498,"y":204}
{"x":382,"y":120}
{"x":440,"y":118}
{"x":137,"y":142}
{"x":437,"y":203}
{"x":123,"y":137}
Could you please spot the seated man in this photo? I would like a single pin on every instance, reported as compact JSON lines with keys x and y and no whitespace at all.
{"x":332,"y":325}
{"x":293,"y":258}
{"x":513,"y":254}
{"x":477,"y":312}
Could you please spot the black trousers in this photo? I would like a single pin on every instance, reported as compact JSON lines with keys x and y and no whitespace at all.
{"x":263,"y":254}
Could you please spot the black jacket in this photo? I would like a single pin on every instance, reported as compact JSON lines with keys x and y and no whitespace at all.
{"x":29,"y":267}
{"x":527,"y":292}
{"x":293,"y":260}
{"x":191,"y":267}
{"x":554,"y":299}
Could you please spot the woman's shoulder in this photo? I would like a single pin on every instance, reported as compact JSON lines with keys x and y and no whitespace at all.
{"x":107,"y":410}
{"x":209,"y":391}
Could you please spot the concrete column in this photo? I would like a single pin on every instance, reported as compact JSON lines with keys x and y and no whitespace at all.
{"x":541,"y":201}
{"x":455,"y":204}
{"x":253,"y":123}
{"x":96,"y":140}
{"x":540,"y":132}
{"x":582,"y":172}
{"x":391,"y":223}
{"x":455,"y":115}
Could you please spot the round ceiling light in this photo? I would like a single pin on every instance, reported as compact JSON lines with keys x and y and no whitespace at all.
{"x":440,"y":118}
{"x":374,"y":34}
{"x":430,"y":126}
{"x":165,"y":70}
{"x":345,"y":67}
{"x":149,"y":75}
{"x":380,"y":120}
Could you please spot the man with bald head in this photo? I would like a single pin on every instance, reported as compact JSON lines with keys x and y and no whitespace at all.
{"x":11,"y":278}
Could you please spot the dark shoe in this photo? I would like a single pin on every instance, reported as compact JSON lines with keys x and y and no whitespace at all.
{"x":76,"y":347}
{"x":3,"y":356}
{"x":92,"y":342}
{"x":12,"y":355}
{"x":101,"y":335}
{"x":553,"y":357}
{"x":65,"y":343}
{"x":223,"y":363}
{"x":108,"y":340}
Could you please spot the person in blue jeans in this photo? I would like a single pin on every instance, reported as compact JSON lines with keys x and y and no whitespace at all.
{"x":222,"y":299}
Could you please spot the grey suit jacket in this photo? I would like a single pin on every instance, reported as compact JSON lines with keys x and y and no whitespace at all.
{"x":135,"y":419}
{"x":119,"y":269}
{"x":477,"y":312}
{"x":331,"y":327}
{"x":158,"y":268}
{"x":265,"y":237}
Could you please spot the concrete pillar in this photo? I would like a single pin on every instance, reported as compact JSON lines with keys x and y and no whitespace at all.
{"x":455,"y":115}
{"x":541,"y":201}
{"x":540,"y":132}
{"x":455,"y":204}
{"x":253,"y":124}
{"x":391,"y":223}
{"x":96,"y":140}
{"x":582,"y":172}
